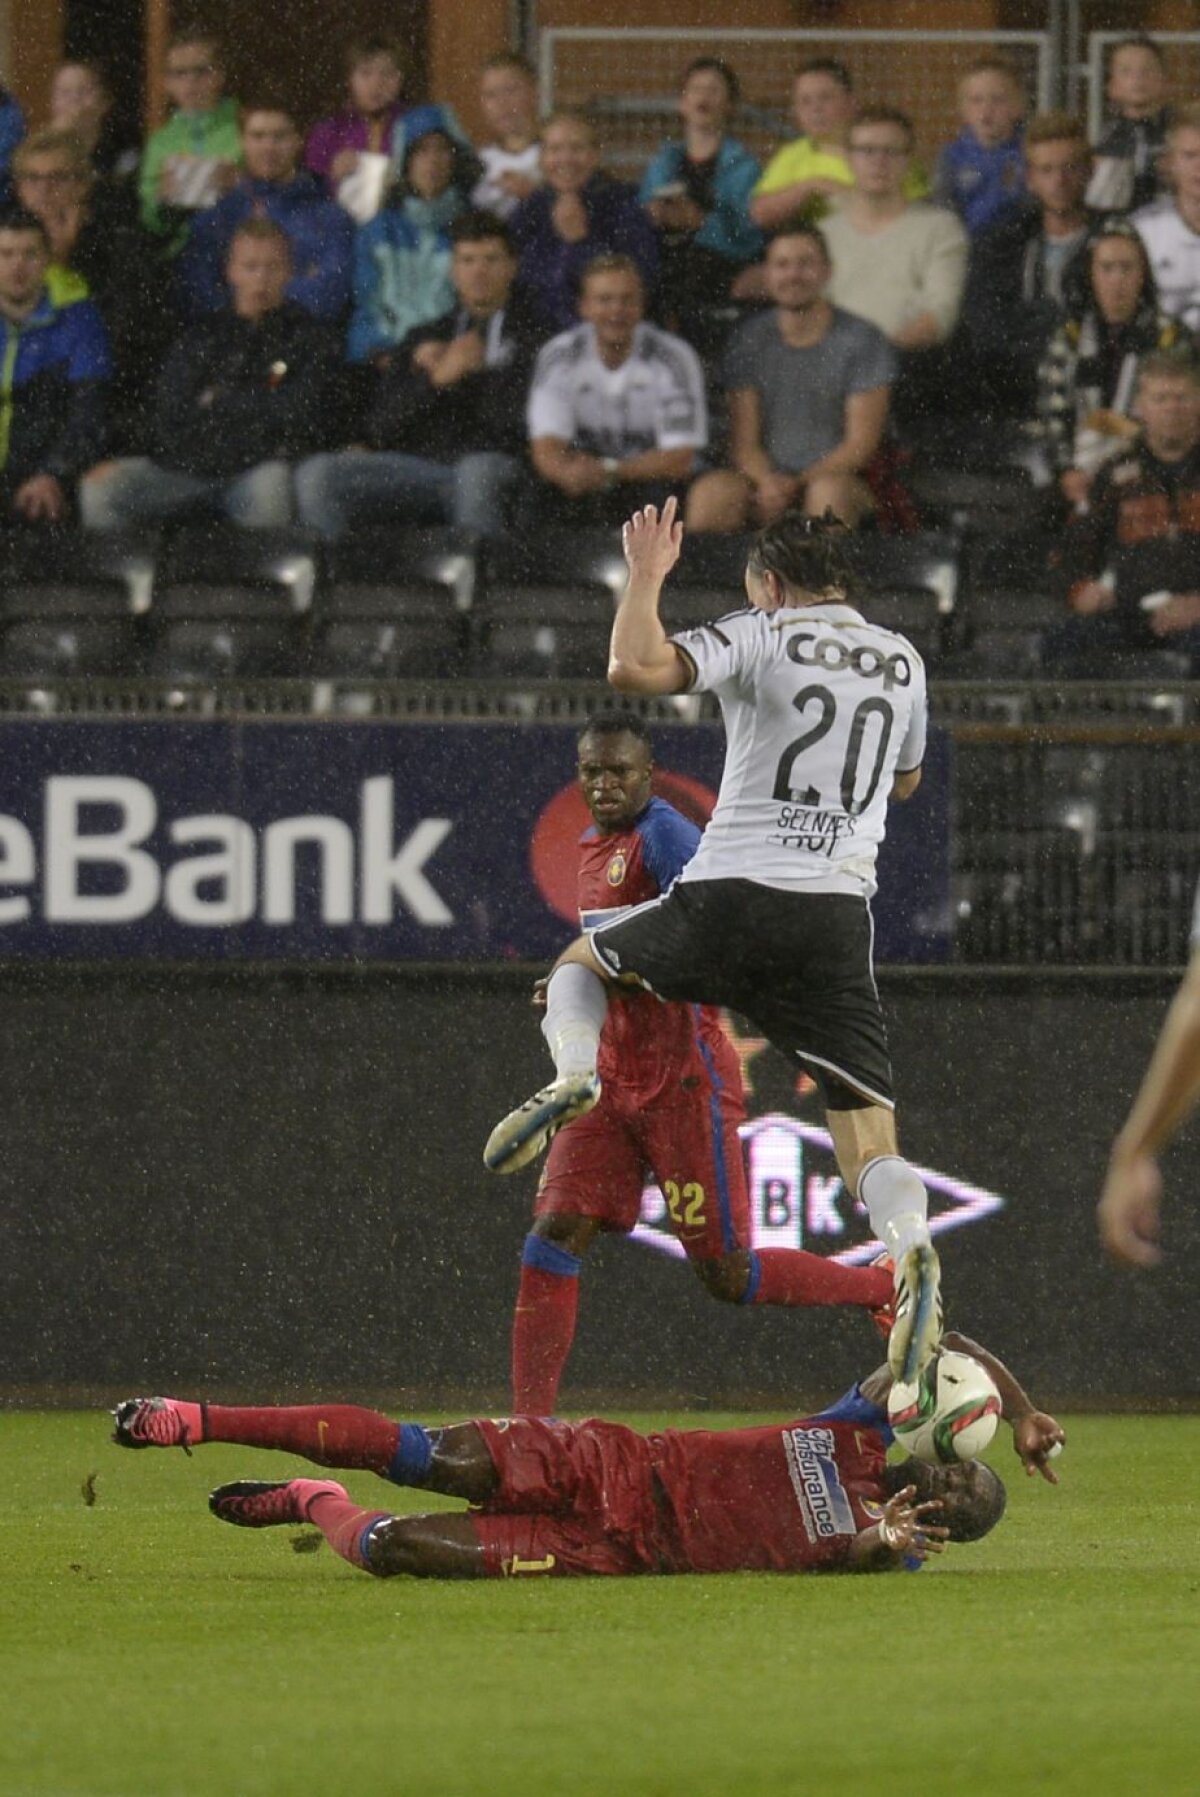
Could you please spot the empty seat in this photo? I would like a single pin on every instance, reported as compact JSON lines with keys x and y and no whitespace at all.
{"x":71,"y":603}
{"x":397,"y":605}
{"x":549,"y":604}
{"x":232,"y":602}
{"x":909,"y":584}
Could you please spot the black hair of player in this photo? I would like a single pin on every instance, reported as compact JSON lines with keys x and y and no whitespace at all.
{"x":712,"y":65}
{"x":479,"y":227}
{"x":804,"y":553}
{"x":972,"y":1513}
{"x":622,"y":720}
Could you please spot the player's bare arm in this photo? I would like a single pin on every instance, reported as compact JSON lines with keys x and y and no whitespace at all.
{"x":1036,"y":1435}
{"x":905,"y":1531}
{"x":1037,"y":1438}
{"x":642,"y":658}
{"x":904,"y":785}
{"x":1130,"y":1202}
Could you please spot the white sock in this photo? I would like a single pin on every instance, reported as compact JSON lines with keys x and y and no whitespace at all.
{"x":897,"y":1204}
{"x":576,"y":1006}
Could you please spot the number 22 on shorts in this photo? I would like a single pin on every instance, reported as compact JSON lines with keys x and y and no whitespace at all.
{"x":685,"y":1203}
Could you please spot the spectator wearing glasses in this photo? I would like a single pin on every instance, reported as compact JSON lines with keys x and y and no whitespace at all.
{"x":99,"y":252}
{"x":193,"y":159}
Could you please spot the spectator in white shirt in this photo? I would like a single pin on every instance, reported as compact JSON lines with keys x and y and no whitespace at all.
{"x":512,"y":161}
{"x":1170,"y":228}
{"x":616,"y":415}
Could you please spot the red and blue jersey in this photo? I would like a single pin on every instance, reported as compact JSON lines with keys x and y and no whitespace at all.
{"x":647,"y":1044}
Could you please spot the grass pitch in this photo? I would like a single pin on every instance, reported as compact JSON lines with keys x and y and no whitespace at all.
{"x":150,"y":1652}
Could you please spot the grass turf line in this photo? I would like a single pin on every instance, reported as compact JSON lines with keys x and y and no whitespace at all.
{"x":150,"y":1652}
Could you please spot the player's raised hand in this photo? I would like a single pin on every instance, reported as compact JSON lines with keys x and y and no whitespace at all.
{"x":652,"y":541}
{"x":1037,"y":1439}
{"x":1128,"y":1212}
{"x":904,"y":1527}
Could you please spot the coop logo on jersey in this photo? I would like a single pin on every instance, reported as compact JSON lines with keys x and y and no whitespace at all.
{"x":824,"y":1507}
{"x":798,"y":1199}
{"x":616,"y":869}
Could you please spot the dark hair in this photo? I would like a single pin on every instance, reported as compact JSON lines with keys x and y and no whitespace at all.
{"x":477,"y":227}
{"x":1169,"y":365}
{"x":712,"y":65}
{"x":365,"y":49}
{"x":885,"y":115}
{"x":799,"y":226}
{"x":19,"y":218}
{"x":804,"y":553}
{"x":510,"y":59}
{"x":622,"y":720}
{"x":827,"y":65}
{"x":611,"y":262}
{"x":1137,"y":40}
{"x":261,"y":230}
{"x":198,"y":34}
{"x":1055,"y":127}
{"x":972,"y":1516}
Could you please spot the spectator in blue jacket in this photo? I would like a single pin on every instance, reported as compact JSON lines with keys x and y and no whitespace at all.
{"x":981,"y":175}
{"x":271,"y":186}
{"x":54,"y":366}
{"x":697,"y":194}
{"x":242,"y":394}
{"x":12,"y":130}
{"x":402,"y":258}
{"x":578,"y":215}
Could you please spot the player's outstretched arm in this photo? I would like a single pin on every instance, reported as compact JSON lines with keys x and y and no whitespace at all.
{"x":1128,"y":1211}
{"x":641,"y":657}
{"x":905,"y":1531}
{"x":1037,"y":1438}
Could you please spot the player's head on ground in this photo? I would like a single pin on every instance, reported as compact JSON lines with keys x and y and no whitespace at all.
{"x":799,"y":561}
{"x":615,"y":766}
{"x":971,"y":1495}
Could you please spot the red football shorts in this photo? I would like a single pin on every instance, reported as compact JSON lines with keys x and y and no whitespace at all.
{"x":688,"y":1141}
{"x":573,"y":1498}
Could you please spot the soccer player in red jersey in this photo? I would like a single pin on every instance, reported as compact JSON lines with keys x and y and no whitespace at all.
{"x":671,"y":1102}
{"x":563,"y":1499}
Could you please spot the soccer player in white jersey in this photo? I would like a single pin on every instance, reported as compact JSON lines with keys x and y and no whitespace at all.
{"x":825,"y":717}
{"x":1132,"y":1195}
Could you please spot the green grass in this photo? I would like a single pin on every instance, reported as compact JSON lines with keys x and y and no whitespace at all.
{"x":149,"y":1652}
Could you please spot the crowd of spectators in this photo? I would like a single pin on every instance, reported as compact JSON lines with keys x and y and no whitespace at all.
{"x":381,"y":320}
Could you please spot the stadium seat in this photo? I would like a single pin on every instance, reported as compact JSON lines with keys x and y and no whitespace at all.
{"x":397,"y":605}
{"x":233,"y":603}
{"x":910,"y":584}
{"x":549,"y":604}
{"x":71,"y":603}
{"x":1001,"y":634}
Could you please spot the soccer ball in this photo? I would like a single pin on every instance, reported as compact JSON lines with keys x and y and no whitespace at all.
{"x":949,"y":1413}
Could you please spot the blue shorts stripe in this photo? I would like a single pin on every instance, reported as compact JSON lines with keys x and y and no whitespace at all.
{"x":716,"y":1087}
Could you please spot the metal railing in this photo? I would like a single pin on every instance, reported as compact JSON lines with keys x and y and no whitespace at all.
{"x":1181,"y":54}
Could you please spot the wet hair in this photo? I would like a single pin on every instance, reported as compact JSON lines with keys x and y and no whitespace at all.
{"x":827,"y":65}
{"x":366,"y":49}
{"x":804,"y":553}
{"x":799,"y":226}
{"x":479,"y":227}
{"x":1137,"y":40}
{"x":1169,"y":365}
{"x":611,"y":262}
{"x":262,"y":230}
{"x":54,"y":141}
{"x":19,"y":218}
{"x":712,"y":65}
{"x":1055,"y":127}
{"x":510,"y":59}
{"x":622,"y":720}
{"x":274,"y":103}
{"x":886,"y":115}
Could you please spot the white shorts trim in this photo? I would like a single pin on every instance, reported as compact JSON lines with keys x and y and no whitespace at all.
{"x":848,"y":1079}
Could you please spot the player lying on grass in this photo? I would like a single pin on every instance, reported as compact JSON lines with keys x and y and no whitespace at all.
{"x":557,"y":1498}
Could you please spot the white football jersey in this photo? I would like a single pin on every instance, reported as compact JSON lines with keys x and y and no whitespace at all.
{"x":654,"y":400}
{"x":1174,"y":252}
{"x":821,"y":710}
